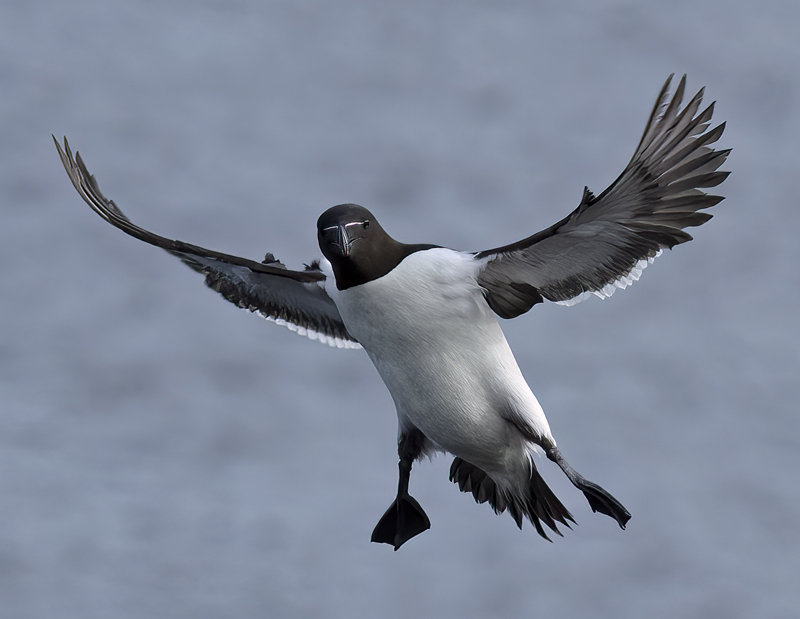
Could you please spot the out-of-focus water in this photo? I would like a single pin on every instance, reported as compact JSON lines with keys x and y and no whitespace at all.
{"x":163,"y":454}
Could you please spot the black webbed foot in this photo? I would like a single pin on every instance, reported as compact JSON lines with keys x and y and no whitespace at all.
{"x":403,"y":520}
{"x":599,"y":500}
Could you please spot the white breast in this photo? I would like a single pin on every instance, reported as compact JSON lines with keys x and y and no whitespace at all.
{"x":441,"y":352}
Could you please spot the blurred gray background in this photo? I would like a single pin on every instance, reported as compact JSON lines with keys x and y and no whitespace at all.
{"x":165,"y":455}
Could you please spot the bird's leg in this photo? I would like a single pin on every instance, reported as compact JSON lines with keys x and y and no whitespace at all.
{"x":599,"y":500}
{"x":405,"y":518}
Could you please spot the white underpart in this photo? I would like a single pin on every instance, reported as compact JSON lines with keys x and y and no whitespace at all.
{"x":620,"y":284}
{"x":335,"y":342}
{"x":443,"y":356}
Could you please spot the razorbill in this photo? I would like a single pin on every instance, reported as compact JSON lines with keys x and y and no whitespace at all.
{"x":427,"y":315}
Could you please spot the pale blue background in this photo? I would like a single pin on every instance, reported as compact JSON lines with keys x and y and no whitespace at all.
{"x":164,"y":455}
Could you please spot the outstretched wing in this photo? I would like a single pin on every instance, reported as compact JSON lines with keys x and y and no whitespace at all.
{"x":606,"y":242}
{"x":294,"y":299}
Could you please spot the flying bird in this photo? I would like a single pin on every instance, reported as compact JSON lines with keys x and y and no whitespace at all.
{"x":427,"y":315}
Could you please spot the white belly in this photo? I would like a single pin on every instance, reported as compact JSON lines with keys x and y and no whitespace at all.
{"x":441,"y":352}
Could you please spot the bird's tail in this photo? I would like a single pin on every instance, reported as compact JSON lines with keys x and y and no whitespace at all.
{"x":536,"y":501}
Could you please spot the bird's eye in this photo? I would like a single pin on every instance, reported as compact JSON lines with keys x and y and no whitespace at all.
{"x":365,"y":224}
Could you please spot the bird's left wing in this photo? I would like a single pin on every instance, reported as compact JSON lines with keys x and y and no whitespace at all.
{"x":606,"y":242}
{"x":295,"y":299}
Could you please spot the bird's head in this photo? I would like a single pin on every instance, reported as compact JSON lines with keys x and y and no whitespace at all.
{"x":347,"y":232}
{"x":356,"y":245}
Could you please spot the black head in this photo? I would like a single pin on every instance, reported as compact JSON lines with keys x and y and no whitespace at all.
{"x":342,"y":230}
{"x":358,"y":249}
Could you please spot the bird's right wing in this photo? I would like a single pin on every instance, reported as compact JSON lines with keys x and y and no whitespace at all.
{"x":295,"y":299}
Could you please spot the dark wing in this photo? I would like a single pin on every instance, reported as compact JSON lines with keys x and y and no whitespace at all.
{"x":294,"y":299}
{"x":606,"y":242}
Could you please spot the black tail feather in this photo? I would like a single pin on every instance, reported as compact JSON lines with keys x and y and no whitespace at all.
{"x":539,"y":505}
